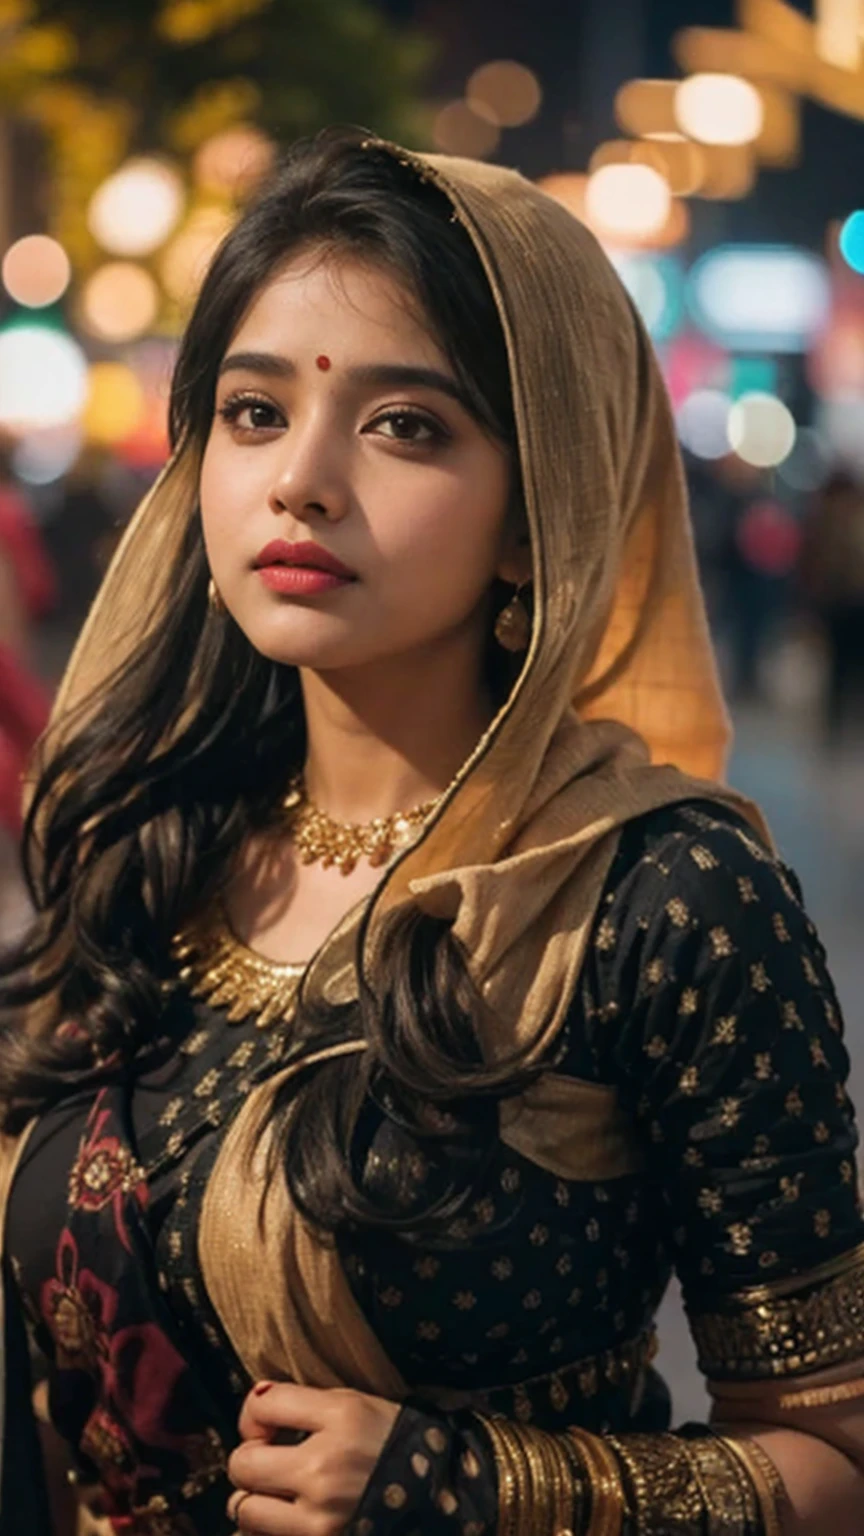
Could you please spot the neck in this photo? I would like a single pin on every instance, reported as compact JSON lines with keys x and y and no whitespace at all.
{"x":387,"y":737}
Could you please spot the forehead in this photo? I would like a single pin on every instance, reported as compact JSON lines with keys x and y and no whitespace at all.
{"x":320,"y":300}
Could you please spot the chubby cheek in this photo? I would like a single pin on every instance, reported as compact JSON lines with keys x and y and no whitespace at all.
{"x":438,"y":557}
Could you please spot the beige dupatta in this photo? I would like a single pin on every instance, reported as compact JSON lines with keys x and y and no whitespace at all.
{"x":616,"y":707}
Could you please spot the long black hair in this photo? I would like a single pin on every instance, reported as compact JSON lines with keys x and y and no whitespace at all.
{"x":126,"y":836}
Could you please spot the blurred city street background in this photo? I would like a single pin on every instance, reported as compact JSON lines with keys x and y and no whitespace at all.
{"x":714,"y":147}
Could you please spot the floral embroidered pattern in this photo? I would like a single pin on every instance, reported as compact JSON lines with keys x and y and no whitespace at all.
{"x":105,"y":1172}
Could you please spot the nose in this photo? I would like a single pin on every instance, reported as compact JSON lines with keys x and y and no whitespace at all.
{"x":311,"y":480}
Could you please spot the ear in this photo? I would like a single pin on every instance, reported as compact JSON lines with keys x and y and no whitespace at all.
{"x":516,"y":565}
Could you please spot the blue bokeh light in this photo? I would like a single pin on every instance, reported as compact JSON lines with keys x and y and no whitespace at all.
{"x":852,"y":241}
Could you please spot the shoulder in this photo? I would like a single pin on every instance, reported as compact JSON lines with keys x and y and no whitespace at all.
{"x":699,"y":921}
{"x":692,"y":865}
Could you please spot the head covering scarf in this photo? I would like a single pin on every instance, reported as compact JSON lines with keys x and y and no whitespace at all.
{"x":617,"y":711}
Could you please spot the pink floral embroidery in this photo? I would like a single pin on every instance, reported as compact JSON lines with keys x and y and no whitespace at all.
{"x":104,"y":1172}
{"x":79,"y":1309}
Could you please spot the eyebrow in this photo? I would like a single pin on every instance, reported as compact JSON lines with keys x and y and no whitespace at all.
{"x":380,"y":375}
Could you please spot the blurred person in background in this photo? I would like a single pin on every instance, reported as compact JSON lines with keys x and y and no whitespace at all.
{"x":407,"y":995}
{"x":832,"y":581}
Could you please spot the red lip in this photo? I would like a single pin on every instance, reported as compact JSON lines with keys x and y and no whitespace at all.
{"x":306,"y":556}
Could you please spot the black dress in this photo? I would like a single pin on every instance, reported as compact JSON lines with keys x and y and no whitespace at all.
{"x":704,"y":1001}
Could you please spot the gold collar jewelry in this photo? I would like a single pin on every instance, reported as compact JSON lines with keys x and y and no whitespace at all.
{"x":215,"y":965}
{"x":343,"y":843}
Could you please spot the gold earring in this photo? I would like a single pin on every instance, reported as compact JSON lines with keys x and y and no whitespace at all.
{"x":513,"y":626}
{"x":214,"y":598}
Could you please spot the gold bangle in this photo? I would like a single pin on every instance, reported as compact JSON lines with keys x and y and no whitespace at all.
{"x":692,"y":1486}
{"x":665,"y":1495}
{"x":563,"y":1487}
{"x":606,"y":1515}
{"x":765,"y":1479}
{"x":535,"y":1482}
{"x":506,"y":1476}
{"x":730,"y":1503}
{"x":536,"y":1505}
{"x":580,"y":1511}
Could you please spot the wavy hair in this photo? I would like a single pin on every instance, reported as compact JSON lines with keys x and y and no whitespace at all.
{"x":127,"y":836}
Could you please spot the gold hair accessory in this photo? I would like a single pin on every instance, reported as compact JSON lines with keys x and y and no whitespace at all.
{"x":343,"y":843}
{"x":214,"y":598}
{"x":513,"y":626}
{"x":216,"y":966}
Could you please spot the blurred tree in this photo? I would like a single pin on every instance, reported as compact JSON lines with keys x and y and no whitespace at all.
{"x":109,"y":78}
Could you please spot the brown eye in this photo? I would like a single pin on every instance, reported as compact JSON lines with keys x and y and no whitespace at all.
{"x":251,"y":415}
{"x":409,"y":427}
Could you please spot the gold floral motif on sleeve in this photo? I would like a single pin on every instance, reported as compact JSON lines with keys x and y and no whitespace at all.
{"x":791,"y":1326}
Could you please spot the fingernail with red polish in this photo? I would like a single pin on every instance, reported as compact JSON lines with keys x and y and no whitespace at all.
{"x":261,"y":1387}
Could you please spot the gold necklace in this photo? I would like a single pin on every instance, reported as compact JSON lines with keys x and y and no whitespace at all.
{"x":215,"y":965}
{"x":317,"y":836}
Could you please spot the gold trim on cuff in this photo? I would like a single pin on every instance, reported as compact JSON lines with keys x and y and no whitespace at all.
{"x":821,"y":1397}
{"x":772,"y":1332}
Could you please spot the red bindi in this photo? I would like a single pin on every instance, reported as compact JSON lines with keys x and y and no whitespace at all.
{"x":322,"y":362}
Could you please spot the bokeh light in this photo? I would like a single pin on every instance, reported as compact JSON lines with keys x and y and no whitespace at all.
{"x":775,"y":298}
{"x":728,"y":172}
{"x":457,"y":130}
{"x":627,"y":200}
{"x":114,"y":405}
{"x":761,"y":430}
{"x":506,"y":93}
{"x":703,"y":423}
{"x":134,"y":211}
{"x":644,"y":108}
{"x":718,"y":109}
{"x":851,"y":241}
{"x":43,"y":377}
{"x":36,"y":271}
{"x":185,"y":260}
{"x":838,"y":29}
{"x":119,"y":301}
{"x":234,"y":161}
{"x":678,"y":161}
{"x":655,"y":284}
{"x":41,"y":457}
{"x":568,"y":189}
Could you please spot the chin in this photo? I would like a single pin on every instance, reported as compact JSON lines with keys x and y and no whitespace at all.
{"x":297,"y":642}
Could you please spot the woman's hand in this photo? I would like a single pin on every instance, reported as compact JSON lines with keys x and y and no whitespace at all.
{"x":310,"y":1489}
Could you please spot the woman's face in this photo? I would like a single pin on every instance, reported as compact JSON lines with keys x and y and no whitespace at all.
{"x":339,"y":424}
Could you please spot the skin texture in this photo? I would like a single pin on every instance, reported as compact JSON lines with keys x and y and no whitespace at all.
{"x":324,"y":1477}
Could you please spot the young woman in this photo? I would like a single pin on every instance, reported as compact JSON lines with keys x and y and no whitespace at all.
{"x":399,"y":1010}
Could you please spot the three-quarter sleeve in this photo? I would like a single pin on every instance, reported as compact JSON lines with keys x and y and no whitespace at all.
{"x":436,"y":1474}
{"x":730,"y":1056}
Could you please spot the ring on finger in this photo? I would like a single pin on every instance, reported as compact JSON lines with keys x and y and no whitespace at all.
{"x":236,"y":1502}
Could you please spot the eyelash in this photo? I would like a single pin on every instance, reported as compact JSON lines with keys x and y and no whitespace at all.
{"x":231,"y":409}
